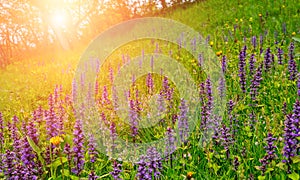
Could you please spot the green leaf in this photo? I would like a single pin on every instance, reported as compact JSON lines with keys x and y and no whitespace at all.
{"x":33,"y":145}
{"x":257,"y":167}
{"x":296,"y":159}
{"x":261,"y":177}
{"x":294,"y":176}
{"x":58,"y":161}
{"x":296,"y":39}
{"x":281,"y":165}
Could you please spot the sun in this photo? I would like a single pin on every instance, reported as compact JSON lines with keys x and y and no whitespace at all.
{"x":59,"y":18}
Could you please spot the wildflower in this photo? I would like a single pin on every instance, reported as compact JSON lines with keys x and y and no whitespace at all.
{"x":236,"y":19}
{"x":293,"y":33}
{"x":279,"y":55}
{"x":283,"y":6}
{"x":219,"y":53}
{"x":259,"y":14}
{"x":242,"y":69}
{"x":292,"y":64}
{"x":142,"y":171}
{"x":290,"y":141}
{"x":56,"y":140}
{"x":224,"y":65}
{"x":92,"y":148}
{"x":183,"y":126}
{"x":270,"y":152}
{"x":154,"y":162}
{"x":78,"y":148}
{"x":250,"y":19}
{"x":170,"y":141}
{"x":253,"y":41}
{"x":116,"y":171}
{"x":255,"y":83}
{"x":211,"y":43}
{"x":241,"y":20}
{"x":251,"y":63}
{"x":226,"y":138}
{"x":51,"y":119}
{"x":189,"y":175}
{"x":236,"y":163}
{"x":221,"y":87}
{"x":149,"y":83}
{"x":267,"y":60}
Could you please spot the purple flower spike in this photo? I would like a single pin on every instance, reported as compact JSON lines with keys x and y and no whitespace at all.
{"x":224,"y":64}
{"x":270,"y":153}
{"x":280,"y":55}
{"x":149,"y":83}
{"x":290,"y":141}
{"x":78,"y":148}
{"x":268,"y":60}
{"x":251,"y":63}
{"x":116,"y":170}
{"x":242,"y":69}
{"x":183,"y":125}
{"x":253,"y":41}
{"x":170,"y":141}
{"x":255,"y":83}
{"x":292,"y":66}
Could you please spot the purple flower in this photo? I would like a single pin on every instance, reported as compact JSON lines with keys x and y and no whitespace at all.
{"x":252,"y":61}
{"x":116,"y":170}
{"x":142,"y":171}
{"x":93,"y":176}
{"x":224,"y":65}
{"x":270,"y":153}
{"x":268,"y":60}
{"x":133,"y":119}
{"x":170,"y":141}
{"x":17,"y":144}
{"x":279,"y":55}
{"x":183,"y":125}
{"x":290,"y":141}
{"x":9,"y":162}
{"x":78,"y":148}
{"x":105,"y":99}
{"x":226,"y":139}
{"x":1,"y":132}
{"x":236,"y":163}
{"x":27,"y":153}
{"x":292,"y":66}
{"x":149,"y":83}
{"x":92,"y":148}
{"x":253,"y":41}
{"x":221,"y":87}
{"x":167,"y":91}
{"x":242,"y":69}
{"x":154,"y":162}
{"x":255,"y":83}
{"x":51,"y":119}
{"x":68,"y":152}
{"x":298,"y":84}
{"x":113,"y":134}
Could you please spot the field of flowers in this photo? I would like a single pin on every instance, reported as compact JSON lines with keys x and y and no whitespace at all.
{"x":43,"y":134}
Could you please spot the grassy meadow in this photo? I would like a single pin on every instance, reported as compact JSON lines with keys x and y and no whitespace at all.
{"x":257,"y":44}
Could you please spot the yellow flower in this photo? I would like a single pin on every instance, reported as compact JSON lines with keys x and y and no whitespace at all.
{"x":189,"y":175}
{"x":211,"y":43}
{"x":56,"y":140}
{"x":219,"y":53}
{"x":226,"y":42}
{"x":236,"y":19}
{"x":250,"y":19}
{"x":241,"y":20}
{"x":259,"y":14}
{"x":283,"y":6}
{"x":293,"y":33}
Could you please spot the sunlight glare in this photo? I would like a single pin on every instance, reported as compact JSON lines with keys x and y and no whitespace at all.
{"x":59,"y":19}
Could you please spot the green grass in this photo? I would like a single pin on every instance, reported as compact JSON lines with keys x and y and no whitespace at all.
{"x":27,"y":84}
